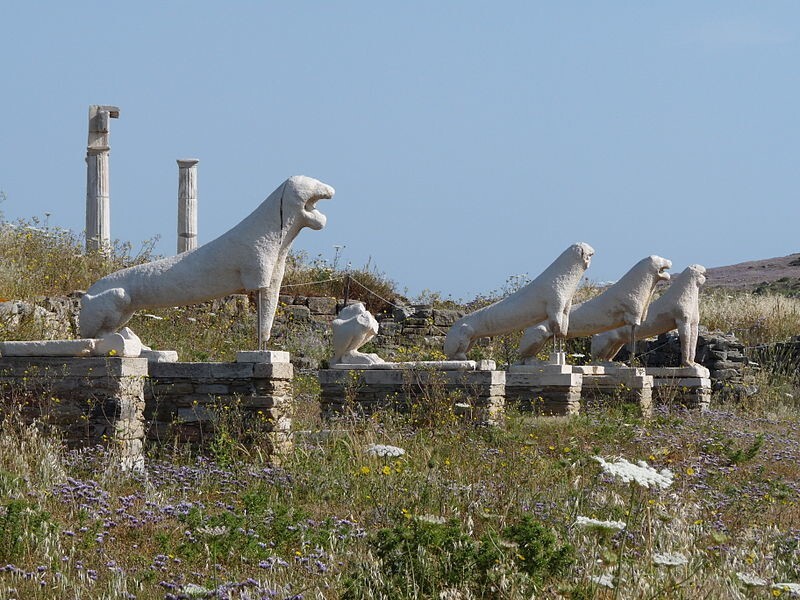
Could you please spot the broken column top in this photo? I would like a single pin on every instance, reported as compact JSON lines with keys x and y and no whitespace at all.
{"x":188,"y":162}
{"x":99,"y":114}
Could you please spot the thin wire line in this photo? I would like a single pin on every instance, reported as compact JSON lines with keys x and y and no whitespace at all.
{"x":289,"y":285}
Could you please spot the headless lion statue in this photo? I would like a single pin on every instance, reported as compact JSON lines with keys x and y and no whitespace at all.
{"x":678,"y":307}
{"x":624,"y":303}
{"x":549,"y":296}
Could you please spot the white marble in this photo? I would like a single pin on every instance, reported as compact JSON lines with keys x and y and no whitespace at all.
{"x":159,"y":356}
{"x":187,"y":204}
{"x":352,"y":328}
{"x":695,"y":370}
{"x":262,"y":356}
{"x":433,"y":365}
{"x":251,"y":256}
{"x":119,"y":344}
{"x":113,"y":344}
{"x":624,"y":303}
{"x":98,"y":209}
{"x":84,"y":347}
{"x":677,"y":308}
{"x":548,"y":297}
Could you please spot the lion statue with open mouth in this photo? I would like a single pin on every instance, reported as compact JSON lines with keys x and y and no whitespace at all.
{"x":251,"y":256}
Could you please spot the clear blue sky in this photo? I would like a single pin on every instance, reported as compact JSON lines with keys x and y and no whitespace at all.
{"x":467,"y":141}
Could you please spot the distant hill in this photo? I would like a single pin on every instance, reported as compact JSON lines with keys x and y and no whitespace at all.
{"x":780,"y":275}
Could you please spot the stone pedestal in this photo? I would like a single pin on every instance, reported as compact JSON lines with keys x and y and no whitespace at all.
{"x":477,"y":394}
{"x":546,"y":389}
{"x":617,"y":385}
{"x":251,"y":402}
{"x":687,"y":386}
{"x":88,"y":401}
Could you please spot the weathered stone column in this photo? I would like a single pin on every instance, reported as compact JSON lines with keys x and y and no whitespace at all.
{"x":98,"y":211}
{"x":187,"y":204}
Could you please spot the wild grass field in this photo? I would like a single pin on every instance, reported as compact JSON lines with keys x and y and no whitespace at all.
{"x":606,"y":505}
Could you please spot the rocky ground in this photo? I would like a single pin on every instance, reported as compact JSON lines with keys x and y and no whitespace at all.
{"x":781,"y":274}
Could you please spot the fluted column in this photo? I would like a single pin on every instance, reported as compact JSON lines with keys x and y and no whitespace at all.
{"x":98,"y":200}
{"x":187,"y":204}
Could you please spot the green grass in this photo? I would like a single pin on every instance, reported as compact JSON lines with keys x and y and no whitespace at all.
{"x":464,"y":513}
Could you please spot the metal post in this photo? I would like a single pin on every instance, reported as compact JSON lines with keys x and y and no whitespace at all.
{"x":346,"y":290}
{"x":260,"y":320}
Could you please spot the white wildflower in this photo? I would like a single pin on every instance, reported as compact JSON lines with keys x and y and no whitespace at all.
{"x":432,"y":519}
{"x":596,"y":524}
{"x":606,"y":580}
{"x":641,"y":473}
{"x":670,"y":559}
{"x":213,"y":531}
{"x":751,"y":580}
{"x":384,"y":450}
{"x":196,"y":591}
{"x":792,"y":588}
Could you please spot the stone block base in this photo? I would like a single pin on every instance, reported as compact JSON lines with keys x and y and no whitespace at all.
{"x":88,"y":401}
{"x":543,"y":392}
{"x":618,"y":385}
{"x":686,"y":386}
{"x":250,"y":402}
{"x":478,"y":395}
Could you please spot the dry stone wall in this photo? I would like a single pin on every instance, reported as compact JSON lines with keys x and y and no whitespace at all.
{"x":721,"y":353}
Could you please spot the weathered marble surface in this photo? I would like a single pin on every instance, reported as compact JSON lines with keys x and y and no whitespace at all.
{"x":187,"y":204}
{"x":251,"y":256}
{"x":432,"y":365}
{"x":352,"y":328}
{"x":624,"y":303}
{"x":677,"y":308}
{"x":548,"y":297}
{"x":121,"y":344}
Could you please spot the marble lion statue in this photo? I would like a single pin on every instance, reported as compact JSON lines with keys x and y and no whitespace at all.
{"x":352,"y":328}
{"x":548,"y":297}
{"x":677,"y":308}
{"x":251,"y":256}
{"x":624,"y":303}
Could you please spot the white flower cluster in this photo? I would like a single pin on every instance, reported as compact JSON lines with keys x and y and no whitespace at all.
{"x":595,"y":524}
{"x":432,"y":519}
{"x":751,"y":580}
{"x":213,"y":531}
{"x":605,"y":580}
{"x":792,"y":588}
{"x":384,"y":450}
{"x":641,"y":472}
{"x":670,"y":559}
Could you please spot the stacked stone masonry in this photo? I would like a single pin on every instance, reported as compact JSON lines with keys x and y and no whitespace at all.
{"x":124,"y":402}
{"x":88,"y":400}
{"x":361,"y":392}
{"x":194,"y":401}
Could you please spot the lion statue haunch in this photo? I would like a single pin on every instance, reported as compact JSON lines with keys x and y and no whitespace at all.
{"x":549,"y":297}
{"x":352,"y":328}
{"x":678,"y":307}
{"x":624,"y":303}
{"x":251,"y":256}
